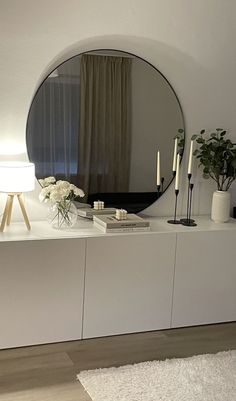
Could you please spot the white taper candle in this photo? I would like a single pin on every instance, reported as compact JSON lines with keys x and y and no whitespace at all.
{"x":175,"y":154}
{"x":177,"y":172}
{"x":158,"y":168}
{"x":190,"y":160}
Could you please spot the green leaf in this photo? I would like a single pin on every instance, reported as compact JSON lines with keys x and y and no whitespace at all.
{"x":193,"y":137}
{"x":206,"y":170}
{"x":200,"y":140}
{"x":180,"y":130}
{"x":202,"y":131}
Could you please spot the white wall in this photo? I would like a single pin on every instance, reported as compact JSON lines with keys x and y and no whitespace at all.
{"x":191,"y":42}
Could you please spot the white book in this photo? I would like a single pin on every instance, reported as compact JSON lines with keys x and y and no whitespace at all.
{"x":120,"y":229}
{"x":111,"y":222}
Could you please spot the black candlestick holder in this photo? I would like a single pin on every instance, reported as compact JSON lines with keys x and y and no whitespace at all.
{"x":189,"y":222}
{"x":162,"y":184}
{"x":175,"y":221}
{"x":187,"y":218}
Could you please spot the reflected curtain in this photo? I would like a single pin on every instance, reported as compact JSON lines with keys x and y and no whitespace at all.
{"x":53,"y":128}
{"x":105,"y":124}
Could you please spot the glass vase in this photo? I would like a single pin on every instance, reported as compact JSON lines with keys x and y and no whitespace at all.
{"x":62,"y":215}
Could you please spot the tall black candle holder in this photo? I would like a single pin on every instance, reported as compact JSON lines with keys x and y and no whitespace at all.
{"x":189,"y":222}
{"x":187,"y":218}
{"x":162,"y":184}
{"x":175,"y":221}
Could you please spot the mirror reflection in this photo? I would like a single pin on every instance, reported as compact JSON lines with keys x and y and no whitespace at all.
{"x":98,"y":121}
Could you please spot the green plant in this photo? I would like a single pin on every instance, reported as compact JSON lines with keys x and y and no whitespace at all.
{"x":180,"y":137}
{"x":217,"y":155}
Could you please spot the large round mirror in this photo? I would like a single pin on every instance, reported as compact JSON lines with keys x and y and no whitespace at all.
{"x":98,"y":121}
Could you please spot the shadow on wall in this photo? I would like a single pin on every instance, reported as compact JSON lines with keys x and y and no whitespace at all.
{"x":173,"y":63}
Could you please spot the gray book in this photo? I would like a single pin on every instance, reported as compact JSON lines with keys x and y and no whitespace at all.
{"x":89,"y":213}
{"x":110,"y":221}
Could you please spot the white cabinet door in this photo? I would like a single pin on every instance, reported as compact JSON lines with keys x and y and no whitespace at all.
{"x":41,"y":291}
{"x":205,"y":278}
{"x":128,"y":284}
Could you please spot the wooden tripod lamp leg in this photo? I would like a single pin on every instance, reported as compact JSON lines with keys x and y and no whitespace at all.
{"x":10,"y":208}
{"x":22,"y":206}
{"x":6,"y":212}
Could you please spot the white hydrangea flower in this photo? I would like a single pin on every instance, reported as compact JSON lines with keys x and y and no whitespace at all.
{"x":50,"y":180}
{"x":44,"y":194}
{"x":56,"y":196}
{"x":58,"y":191}
{"x":45,"y":182}
{"x":77,"y":191}
{"x":65,"y":192}
{"x":63,"y":184}
{"x":41,"y":197}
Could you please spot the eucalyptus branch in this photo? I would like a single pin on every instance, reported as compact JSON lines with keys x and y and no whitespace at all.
{"x":230,"y":181}
{"x":214,"y":178}
{"x":224,"y":179}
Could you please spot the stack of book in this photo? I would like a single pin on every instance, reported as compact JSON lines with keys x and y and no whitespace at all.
{"x":109,"y":223}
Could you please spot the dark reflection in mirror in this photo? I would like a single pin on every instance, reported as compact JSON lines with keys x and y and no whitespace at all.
{"x":98,"y":120}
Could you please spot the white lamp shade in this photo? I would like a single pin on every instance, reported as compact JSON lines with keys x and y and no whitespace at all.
{"x":17,"y":177}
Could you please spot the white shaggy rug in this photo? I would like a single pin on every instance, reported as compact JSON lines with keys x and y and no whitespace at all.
{"x":199,"y":378}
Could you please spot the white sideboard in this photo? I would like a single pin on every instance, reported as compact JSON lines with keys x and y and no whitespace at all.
{"x":41,"y":291}
{"x":128,"y":284}
{"x":81,"y":283}
{"x":205,"y":278}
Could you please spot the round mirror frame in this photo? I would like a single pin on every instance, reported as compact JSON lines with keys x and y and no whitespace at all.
{"x":181,"y":130}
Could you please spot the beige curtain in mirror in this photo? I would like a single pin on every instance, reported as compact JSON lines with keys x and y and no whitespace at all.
{"x":105,"y":124}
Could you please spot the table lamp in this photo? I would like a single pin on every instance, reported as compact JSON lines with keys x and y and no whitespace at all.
{"x":15,"y":178}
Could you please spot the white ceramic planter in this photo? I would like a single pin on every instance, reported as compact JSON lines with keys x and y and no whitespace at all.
{"x":220,"y":210}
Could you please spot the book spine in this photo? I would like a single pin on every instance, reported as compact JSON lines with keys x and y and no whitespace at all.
{"x":82,"y":214}
{"x":85,"y":214}
{"x":118,"y":224}
{"x":129,"y":225}
{"x":126,"y":230}
{"x":124,"y":226}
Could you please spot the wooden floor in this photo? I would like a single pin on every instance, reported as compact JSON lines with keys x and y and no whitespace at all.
{"x":48,"y":372}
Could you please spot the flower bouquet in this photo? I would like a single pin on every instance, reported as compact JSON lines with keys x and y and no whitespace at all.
{"x":60,"y":195}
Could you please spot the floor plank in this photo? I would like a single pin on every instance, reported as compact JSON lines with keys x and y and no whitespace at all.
{"x":48,"y":372}
{"x":52,"y":384}
{"x":39,"y":362}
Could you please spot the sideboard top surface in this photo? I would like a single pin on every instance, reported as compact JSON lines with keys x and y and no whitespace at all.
{"x":41,"y":230}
